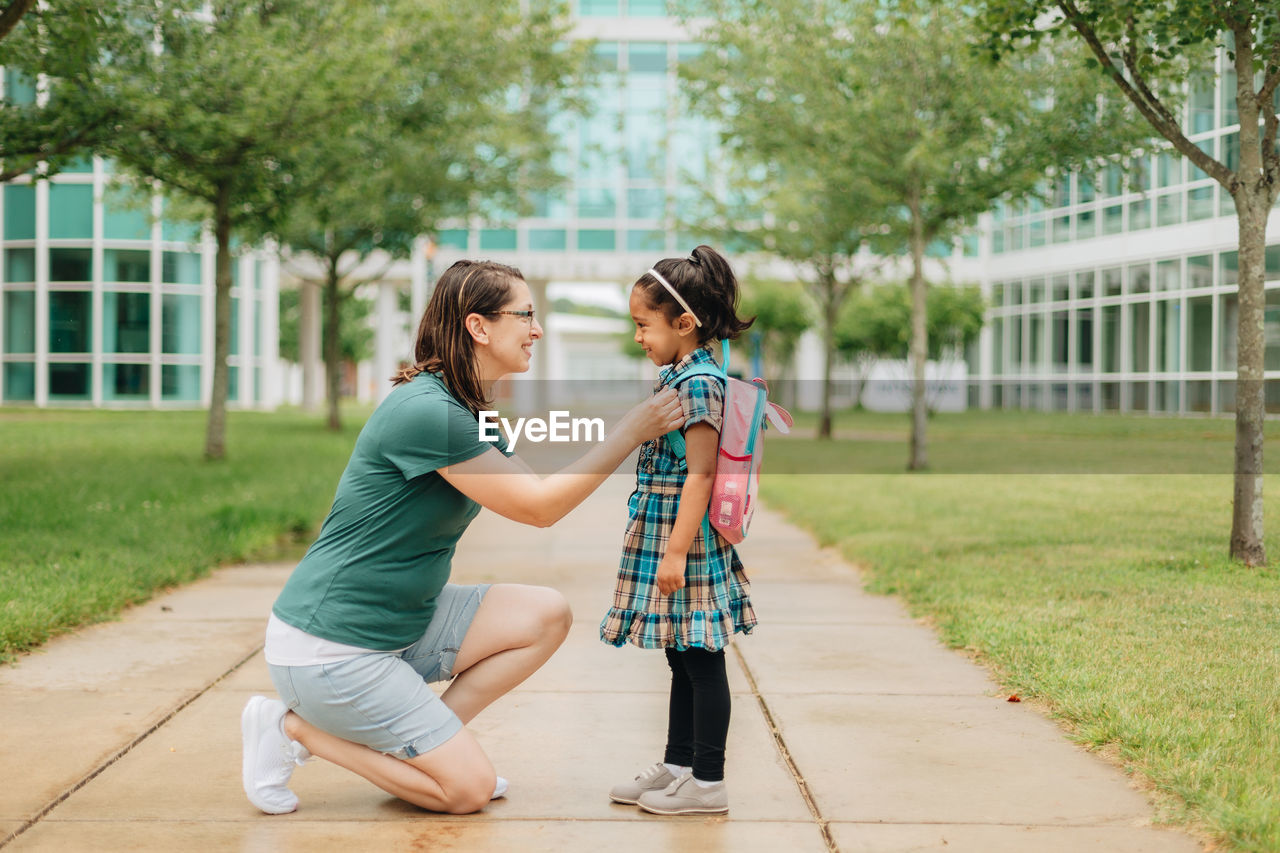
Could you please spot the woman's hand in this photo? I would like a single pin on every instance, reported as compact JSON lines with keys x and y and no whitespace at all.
{"x":656,"y":416}
{"x":671,"y":573}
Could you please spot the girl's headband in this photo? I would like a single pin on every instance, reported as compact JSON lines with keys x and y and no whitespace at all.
{"x":685,"y":305}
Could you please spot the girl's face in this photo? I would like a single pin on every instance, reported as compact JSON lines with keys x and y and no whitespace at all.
{"x":510,"y":337}
{"x":664,"y":341}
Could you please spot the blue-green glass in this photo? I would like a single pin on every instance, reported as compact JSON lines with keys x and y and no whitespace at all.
{"x":233,"y":383}
{"x":126,"y":322}
{"x":19,"y":88}
{"x":647,"y":8}
{"x":453,"y":238}
{"x":19,"y":321}
{"x":649,"y":240}
{"x":233,"y":339}
{"x":69,"y":382}
{"x":70,"y":265}
{"x":70,"y":321}
{"x":180,"y":382}
{"x":20,"y":212}
{"x":645,"y":203}
{"x":179,"y":232}
{"x":125,"y":223}
{"x":126,"y":265}
{"x":647,"y":57}
{"x":180,"y":268}
{"x":126,"y":382}
{"x":499,"y":239}
{"x":19,"y":382}
{"x":597,"y":202}
{"x":71,"y":211}
{"x":594,"y":240}
{"x":548,"y":239}
{"x":598,"y":8}
{"x":180,"y":323}
{"x":19,"y":265}
{"x":1200,"y":203}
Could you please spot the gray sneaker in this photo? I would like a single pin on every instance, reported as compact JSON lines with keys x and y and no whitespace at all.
{"x":654,"y":778}
{"x":685,"y":796}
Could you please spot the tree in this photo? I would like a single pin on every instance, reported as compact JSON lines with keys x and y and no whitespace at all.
{"x":355,"y":342}
{"x":66,"y":49}
{"x":220,"y":113}
{"x":782,"y":315}
{"x":877,"y":322}
{"x":900,"y":122}
{"x":790,"y":192}
{"x":1149,"y":50}
{"x":416,"y":156}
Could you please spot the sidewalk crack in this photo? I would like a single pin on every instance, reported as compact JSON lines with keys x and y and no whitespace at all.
{"x":781,"y":744}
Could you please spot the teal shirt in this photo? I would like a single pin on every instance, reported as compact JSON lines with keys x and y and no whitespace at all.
{"x":372,"y":577}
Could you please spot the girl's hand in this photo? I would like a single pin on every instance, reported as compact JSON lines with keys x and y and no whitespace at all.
{"x":656,"y":416}
{"x":671,"y":573}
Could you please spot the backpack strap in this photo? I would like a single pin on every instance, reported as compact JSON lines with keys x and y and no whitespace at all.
{"x":675,"y":437}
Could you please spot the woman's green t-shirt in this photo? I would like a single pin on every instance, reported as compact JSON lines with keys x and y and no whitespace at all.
{"x":384,"y":551}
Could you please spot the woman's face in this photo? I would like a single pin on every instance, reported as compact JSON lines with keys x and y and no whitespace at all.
{"x":511,"y":337}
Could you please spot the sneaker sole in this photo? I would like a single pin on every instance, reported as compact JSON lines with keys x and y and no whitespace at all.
{"x":690,"y":810}
{"x":623,"y":801}
{"x":249,"y":758}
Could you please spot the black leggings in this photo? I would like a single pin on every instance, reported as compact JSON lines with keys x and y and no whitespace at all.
{"x":698,"y":718}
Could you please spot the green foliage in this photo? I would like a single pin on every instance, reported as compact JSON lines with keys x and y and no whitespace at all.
{"x":877,"y":321}
{"x":356,"y":332}
{"x":138,"y":512}
{"x":74,"y":44}
{"x":782,"y":314}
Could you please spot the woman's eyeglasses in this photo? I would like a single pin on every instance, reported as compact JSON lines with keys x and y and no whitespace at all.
{"x":528,"y":315}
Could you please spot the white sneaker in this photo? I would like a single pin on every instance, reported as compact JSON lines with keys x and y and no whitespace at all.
{"x":500,"y":789}
{"x":269,"y":756}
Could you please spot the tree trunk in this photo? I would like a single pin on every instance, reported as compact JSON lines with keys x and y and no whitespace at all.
{"x":919,"y":348}
{"x":215,"y":441}
{"x":1253,"y":205}
{"x":332,"y":344}
{"x":830,"y":309}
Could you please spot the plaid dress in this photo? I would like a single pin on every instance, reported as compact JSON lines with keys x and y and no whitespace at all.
{"x":715,"y":601}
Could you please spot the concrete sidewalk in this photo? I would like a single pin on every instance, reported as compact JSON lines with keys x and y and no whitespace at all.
{"x":853,"y":729}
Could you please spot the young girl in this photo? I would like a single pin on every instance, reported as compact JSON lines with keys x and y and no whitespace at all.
{"x":681,"y":586}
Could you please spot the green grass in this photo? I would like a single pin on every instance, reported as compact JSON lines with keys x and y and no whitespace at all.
{"x":101,"y":509}
{"x":1107,"y":597}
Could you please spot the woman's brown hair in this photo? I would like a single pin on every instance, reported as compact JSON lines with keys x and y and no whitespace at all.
{"x":444,"y":345}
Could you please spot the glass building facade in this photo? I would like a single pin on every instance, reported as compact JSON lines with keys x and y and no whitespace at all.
{"x":1120,"y":293}
{"x":103,"y":304}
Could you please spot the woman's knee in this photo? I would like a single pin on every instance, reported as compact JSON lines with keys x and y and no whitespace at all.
{"x":472,"y":795}
{"x":556,"y":614}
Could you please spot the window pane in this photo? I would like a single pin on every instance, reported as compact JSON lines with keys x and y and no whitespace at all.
{"x":1200,"y":333}
{"x":498,"y":238}
{"x":1112,"y":282}
{"x":1084,"y":285}
{"x":1200,"y":203}
{"x":548,"y":239}
{"x":646,"y":8}
{"x":19,"y":88}
{"x":1228,"y":322}
{"x":647,"y":57}
{"x":1113,"y":219}
{"x":180,"y":268}
{"x":646,"y":241}
{"x":1084,"y":339}
{"x":126,"y":382}
{"x":1139,"y":214}
{"x":1086,"y":224}
{"x":70,"y":315}
{"x":19,"y":321}
{"x":1140,"y":337}
{"x":125,"y":223}
{"x":597,"y":240}
{"x":597,"y":202}
{"x":69,"y":381}
{"x":180,"y":382}
{"x":453,"y":238}
{"x":644,"y":203}
{"x":180,"y":323}
{"x":71,"y":211}
{"x":127,"y":265}
{"x":126,"y":322}
{"x":1139,"y":279}
{"x":1169,"y":209}
{"x":1168,"y":275}
{"x":20,"y":265}
{"x":1168,"y":339}
{"x":20,"y":213}
{"x":19,"y":382}
{"x":70,"y":265}
{"x":1200,"y":271}
{"x":598,"y":8}
{"x":1228,"y":269}
{"x":1111,"y":339}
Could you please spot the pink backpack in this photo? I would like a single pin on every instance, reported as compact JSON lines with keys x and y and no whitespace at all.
{"x":746,"y":411}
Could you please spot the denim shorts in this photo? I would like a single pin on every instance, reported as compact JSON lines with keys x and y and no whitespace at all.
{"x":381,"y":699}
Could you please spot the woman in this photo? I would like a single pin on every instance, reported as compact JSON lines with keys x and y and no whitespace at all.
{"x":368,"y":618}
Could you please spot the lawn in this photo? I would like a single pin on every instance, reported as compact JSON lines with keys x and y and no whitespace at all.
{"x":1108,"y":597}
{"x":101,"y":509}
